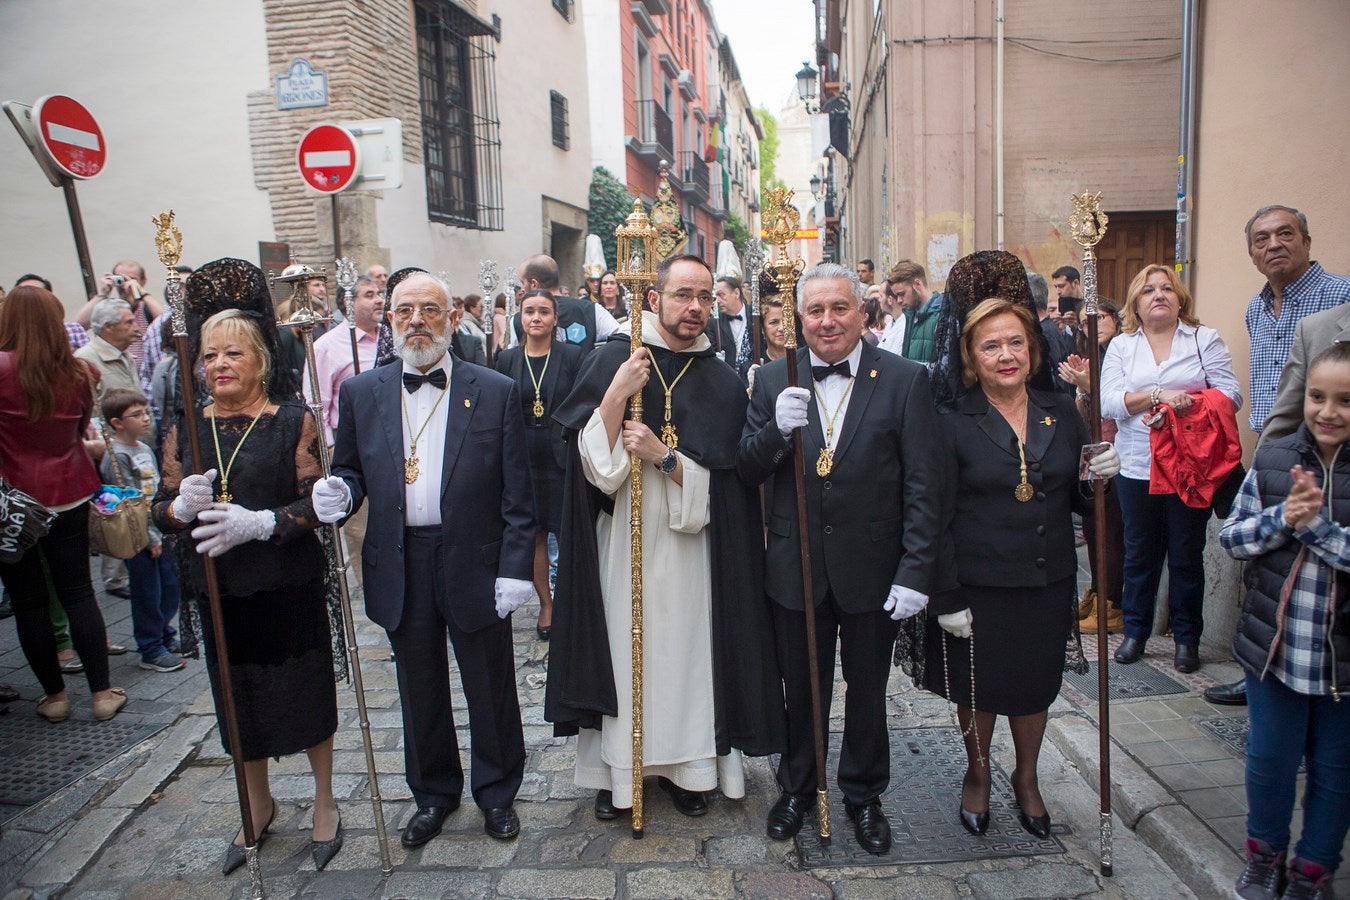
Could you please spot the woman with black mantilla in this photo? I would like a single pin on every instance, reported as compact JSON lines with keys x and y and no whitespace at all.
{"x":711,"y":681}
{"x":544,"y":371}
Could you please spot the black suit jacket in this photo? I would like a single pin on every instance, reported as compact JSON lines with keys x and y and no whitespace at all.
{"x":723,"y":338}
{"x":487,"y":507}
{"x":998,"y":540}
{"x":556,"y":384}
{"x":877,"y":518}
{"x":468,"y":347}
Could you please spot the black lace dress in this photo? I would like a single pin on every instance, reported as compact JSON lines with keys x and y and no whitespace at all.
{"x":272,"y":592}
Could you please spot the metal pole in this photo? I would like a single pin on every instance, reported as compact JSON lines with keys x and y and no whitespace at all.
{"x":303,"y":321}
{"x":169,"y":241}
{"x":635,"y":536}
{"x":81,"y":244}
{"x":346,"y":278}
{"x":754,"y":261}
{"x":1186,"y":140}
{"x":337,"y":228}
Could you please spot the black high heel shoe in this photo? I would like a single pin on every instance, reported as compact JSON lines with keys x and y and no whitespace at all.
{"x":1036,"y":826}
{"x":324,"y":851}
{"x":976,"y":823}
{"x":543,"y":631}
{"x":235,"y":855}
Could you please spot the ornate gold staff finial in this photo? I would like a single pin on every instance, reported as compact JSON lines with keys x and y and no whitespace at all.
{"x":784,"y":219}
{"x":169,"y":246}
{"x":1088,"y":225}
{"x":666,"y":217}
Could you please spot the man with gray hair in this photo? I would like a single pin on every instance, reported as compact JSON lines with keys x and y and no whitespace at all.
{"x":875,"y":483}
{"x":112,"y":327}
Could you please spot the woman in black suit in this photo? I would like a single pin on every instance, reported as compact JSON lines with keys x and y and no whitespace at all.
{"x":544,"y":370}
{"x":1017,"y":452}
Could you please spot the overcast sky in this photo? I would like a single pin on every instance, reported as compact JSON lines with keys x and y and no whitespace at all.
{"x":770,"y":39}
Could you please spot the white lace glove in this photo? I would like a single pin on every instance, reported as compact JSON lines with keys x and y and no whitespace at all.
{"x":904,"y":602}
{"x":1105,"y":464}
{"x":789,"y":411}
{"x":228,"y":525}
{"x":512,"y":594}
{"x":331,"y":498}
{"x":957,"y":623}
{"x":195,"y":494}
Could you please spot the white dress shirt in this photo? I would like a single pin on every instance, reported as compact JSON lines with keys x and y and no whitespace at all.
{"x":832,"y":391}
{"x":1129,"y":367}
{"x":738,"y":325}
{"x":893,"y":338}
{"x":423,"y":496}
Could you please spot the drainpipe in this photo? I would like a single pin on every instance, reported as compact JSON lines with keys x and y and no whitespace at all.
{"x":1186,"y":143}
{"x":998,"y":126}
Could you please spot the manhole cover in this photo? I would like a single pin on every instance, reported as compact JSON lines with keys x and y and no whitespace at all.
{"x":39,"y":757}
{"x":927,"y":765}
{"x":1125,"y":682}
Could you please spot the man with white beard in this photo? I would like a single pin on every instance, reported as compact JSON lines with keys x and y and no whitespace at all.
{"x":437,"y":447}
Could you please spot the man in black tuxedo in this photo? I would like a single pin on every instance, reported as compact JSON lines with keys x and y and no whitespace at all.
{"x":438,"y":448}
{"x":730,"y":331}
{"x":867,"y":420}
{"x":581,"y":323}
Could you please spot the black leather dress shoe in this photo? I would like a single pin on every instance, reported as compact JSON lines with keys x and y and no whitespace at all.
{"x":501,"y":823}
{"x":976,"y":823}
{"x":1234,"y":694}
{"x":785,"y":819}
{"x":691,"y":803}
{"x":8,"y":694}
{"x":870,"y":826}
{"x":1187,"y":658}
{"x":604,"y":806}
{"x":1129,"y":651}
{"x":424,"y":825}
{"x":124,"y":593}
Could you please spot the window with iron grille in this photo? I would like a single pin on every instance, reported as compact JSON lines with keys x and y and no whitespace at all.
{"x":564,"y":8}
{"x":461,"y":133}
{"x":558,"y":108}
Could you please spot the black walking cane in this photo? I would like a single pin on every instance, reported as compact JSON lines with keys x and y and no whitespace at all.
{"x":169,"y":243}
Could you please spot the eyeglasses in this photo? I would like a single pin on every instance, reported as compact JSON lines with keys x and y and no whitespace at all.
{"x":429,"y":312}
{"x":686,"y":297}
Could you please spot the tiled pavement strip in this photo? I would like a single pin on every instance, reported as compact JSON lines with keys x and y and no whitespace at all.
{"x":154,"y":822}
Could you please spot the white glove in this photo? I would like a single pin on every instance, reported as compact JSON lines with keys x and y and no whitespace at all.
{"x":750,"y":378}
{"x":957,"y":623}
{"x":228,"y":525}
{"x":195,"y":494}
{"x":789,"y":411}
{"x":331,"y":498}
{"x":904,"y":602}
{"x":512,"y":594}
{"x":1105,"y":464}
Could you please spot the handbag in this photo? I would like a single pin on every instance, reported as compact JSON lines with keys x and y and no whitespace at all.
{"x":119,"y":517}
{"x":1224,"y":495}
{"x":23,"y":522}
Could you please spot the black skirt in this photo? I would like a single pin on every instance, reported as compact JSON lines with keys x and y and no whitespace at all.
{"x":1019,"y":636}
{"x":281,"y":660}
{"x":547,"y":477}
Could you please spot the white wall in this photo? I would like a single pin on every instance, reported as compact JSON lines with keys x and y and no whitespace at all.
{"x":604,"y":68}
{"x":168,"y":85}
{"x":532,"y":167}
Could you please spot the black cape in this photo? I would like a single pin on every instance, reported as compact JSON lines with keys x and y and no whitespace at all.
{"x":709,"y":411}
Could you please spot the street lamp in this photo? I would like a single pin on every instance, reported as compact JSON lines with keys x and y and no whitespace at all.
{"x":806,"y":83}
{"x":815,"y":186}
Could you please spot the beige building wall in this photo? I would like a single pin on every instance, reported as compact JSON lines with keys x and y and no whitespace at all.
{"x":923,"y":110}
{"x":169,"y":89}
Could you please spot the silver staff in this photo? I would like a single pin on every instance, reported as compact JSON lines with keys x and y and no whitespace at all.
{"x":346,"y":280}
{"x":487,"y":279}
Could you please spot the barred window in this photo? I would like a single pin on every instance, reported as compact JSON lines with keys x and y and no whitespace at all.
{"x":461,"y":134}
{"x":564,"y":8}
{"x":558,"y":108}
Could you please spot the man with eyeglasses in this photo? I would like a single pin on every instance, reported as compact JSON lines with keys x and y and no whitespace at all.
{"x":437,"y":448}
{"x":711,"y":686}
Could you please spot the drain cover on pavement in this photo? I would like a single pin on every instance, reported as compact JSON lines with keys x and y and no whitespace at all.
{"x":927,"y":765}
{"x":1231,"y":731}
{"x":1125,"y":682}
{"x":40,"y":757}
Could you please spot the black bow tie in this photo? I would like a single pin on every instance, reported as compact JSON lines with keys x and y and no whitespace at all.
{"x":738,"y":317}
{"x":820,"y":373}
{"x":412,"y":381}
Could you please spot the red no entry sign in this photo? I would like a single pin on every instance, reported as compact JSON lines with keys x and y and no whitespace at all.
{"x":70,"y":136}
{"x":329,"y":158}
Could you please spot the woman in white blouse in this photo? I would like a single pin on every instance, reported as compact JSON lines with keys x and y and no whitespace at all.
{"x":1162,"y":358}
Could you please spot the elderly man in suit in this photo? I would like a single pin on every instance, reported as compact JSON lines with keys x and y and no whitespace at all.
{"x":437,"y":447}
{"x":874,"y":487}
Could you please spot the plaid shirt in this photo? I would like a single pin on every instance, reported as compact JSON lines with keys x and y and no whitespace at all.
{"x":1314,"y":291}
{"x":151,"y":354}
{"x":77,"y":335}
{"x":1302,"y":661}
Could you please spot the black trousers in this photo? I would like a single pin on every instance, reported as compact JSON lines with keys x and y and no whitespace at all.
{"x":865,"y":641}
{"x":487,"y":672}
{"x":66,"y":551}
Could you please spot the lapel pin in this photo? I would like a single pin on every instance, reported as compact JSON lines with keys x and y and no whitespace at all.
{"x":466,"y":403}
{"x":1046,"y":421}
{"x":873,"y":374}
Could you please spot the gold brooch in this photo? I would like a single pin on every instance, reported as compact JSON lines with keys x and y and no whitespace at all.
{"x":1047,"y":421}
{"x":873,"y":373}
{"x":466,"y":403}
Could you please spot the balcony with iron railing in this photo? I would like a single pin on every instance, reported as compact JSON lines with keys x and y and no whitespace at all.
{"x":655,"y":138}
{"x":717,"y":201}
{"x":694,"y":173}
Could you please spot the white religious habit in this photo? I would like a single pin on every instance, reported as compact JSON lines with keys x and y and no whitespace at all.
{"x":679,"y":740}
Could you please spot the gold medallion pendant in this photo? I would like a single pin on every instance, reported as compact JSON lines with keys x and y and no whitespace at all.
{"x":669,"y":437}
{"x":224,"y":497}
{"x":412,"y":469}
{"x":824,"y":462}
{"x":1024,"y":492}
{"x":538,"y":409}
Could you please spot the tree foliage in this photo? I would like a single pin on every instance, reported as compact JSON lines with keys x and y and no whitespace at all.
{"x":768,"y":152}
{"x":737,"y":232}
{"x":610,"y":204}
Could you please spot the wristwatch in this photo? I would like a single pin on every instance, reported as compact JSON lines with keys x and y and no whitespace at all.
{"x":668,"y":462}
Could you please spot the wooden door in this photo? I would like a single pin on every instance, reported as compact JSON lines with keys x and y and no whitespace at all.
{"x":1133,"y":240}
